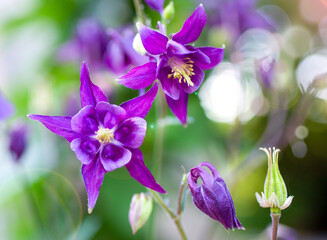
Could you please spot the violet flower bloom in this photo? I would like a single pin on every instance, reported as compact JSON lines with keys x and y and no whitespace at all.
{"x":237,"y":16}
{"x":180,"y":65}
{"x":6,"y":108}
{"x":104,"y":136}
{"x":89,"y":44}
{"x":120,"y":54}
{"x":157,"y":5}
{"x":266,"y":71}
{"x":213,"y":197}
{"x":17,"y":144}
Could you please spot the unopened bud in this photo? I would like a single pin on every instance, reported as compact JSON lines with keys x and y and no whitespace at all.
{"x":139,"y":211}
{"x":275,"y":192}
{"x":138,"y":45}
{"x":169,"y":12}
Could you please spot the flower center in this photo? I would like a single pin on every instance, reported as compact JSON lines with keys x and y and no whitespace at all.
{"x":181,"y":69}
{"x":104,"y":135}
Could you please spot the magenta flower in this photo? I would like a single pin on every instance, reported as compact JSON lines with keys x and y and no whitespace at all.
{"x":213,"y":197}
{"x":180,"y":65}
{"x":104,"y":136}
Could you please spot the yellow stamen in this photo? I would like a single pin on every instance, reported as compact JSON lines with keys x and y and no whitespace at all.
{"x":104,"y":135}
{"x":182,"y":69}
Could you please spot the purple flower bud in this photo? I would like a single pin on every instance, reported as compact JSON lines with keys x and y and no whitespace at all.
{"x":266,"y":70}
{"x":213,"y":197}
{"x":17,"y":142}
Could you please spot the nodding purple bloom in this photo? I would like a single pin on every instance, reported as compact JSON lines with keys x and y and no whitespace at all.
{"x":180,"y":65}
{"x":17,"y":136}
{"x":213,"y":197}
{"x":237,"y":16}
{"x":120,"y":54}
{"x":89,"y":44}
{"x":6,"y":108}
{"x":104,"y":136}
{"x":157,"y":5}
{"x":266,"y":71}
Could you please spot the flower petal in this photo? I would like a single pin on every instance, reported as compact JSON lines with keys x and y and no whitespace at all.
{"x":90,"y":93}
{"x":155,"y":4}
{"x":109,"y":115}
{"x":131,"y":132}
{"x":179,"y":107}
{"x":192,"y":27}
{"x":175,"y":48}
{"x":85,"y":149}
{"x":196,"y":79}
{"x":6,"y":109}
{"x":113,"y":156}
{"x":169,"y":85}
{"x":216,"y":55}
{"x":153,"y":41}
{"x":140,"y":106}
{"x":85,"y":121}
{"x":58,"y":125}
{"x":93,"y":175}
{"x":140,"y":77}
{"x":141,"y":173}
{"x":114,"y":57}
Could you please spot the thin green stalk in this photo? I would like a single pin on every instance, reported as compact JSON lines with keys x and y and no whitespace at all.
{"x":180,"y":197}
{"x":172,"y":215}
{"x":139,"y":11}
{"x":275,"y":220}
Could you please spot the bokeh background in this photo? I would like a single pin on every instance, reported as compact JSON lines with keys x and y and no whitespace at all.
{"x":268,"y":91}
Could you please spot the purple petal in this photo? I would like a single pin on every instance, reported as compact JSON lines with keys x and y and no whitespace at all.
{"x":196,"y":79}
{"x":90,"y":93}
{"x":131,"y":132}
{"x":115,"y":58}
{"x":85,"y":121}
{"x":141,"y":173}
{"x":179,"y":107}
{"x":192,"y":27}
{"x":216,"y":55}
{"x":153,"y":41}
{"x":175,"y":48}
{"x":140,"y":77}
{"x":170,"y":85}
{"x":58,"y":125}
{"x":140,"y":106}
{"x":155,"y":4}
{"x":109,"y":115}
{"x":6,"y":108}
{"x":85,"y":149}
{"x":93,"y":175}
{"x":114,"y":156}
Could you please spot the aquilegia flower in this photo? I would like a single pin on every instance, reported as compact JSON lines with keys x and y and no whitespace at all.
{"x":179,"y":65}
{"x":213,"y":197}
{"x":104,"y":136}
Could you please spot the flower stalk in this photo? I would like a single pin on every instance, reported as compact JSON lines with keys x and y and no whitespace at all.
{"x":275,"y":220}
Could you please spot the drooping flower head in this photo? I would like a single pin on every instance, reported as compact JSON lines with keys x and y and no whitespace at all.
{"x":17,"y":140}
{"x":178,"y":66}
{"x":213,"y":197}
{"x":105,"y":136}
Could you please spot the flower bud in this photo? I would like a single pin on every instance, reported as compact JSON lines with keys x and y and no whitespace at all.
{"x":168,"y":12}
{"x":17,"y":142}
{"x":213,"y":197}
{"x":138,"y":45}
{"x":275,"y":192}
{"x":139,"y":211}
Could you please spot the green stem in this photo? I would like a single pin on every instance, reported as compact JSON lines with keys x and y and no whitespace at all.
{"x":275,"y":220}
{"x":139,"y":11}
{"x":180,"y":197}
{"x":175,"y":218}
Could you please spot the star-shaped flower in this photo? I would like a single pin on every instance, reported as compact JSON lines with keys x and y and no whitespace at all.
{"x":178,"y":66}
{"x":104,"y":136}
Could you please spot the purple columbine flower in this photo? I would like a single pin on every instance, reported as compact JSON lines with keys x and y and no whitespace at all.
{"x":6,"y":108}
{"x":213,"y":197}
{"x":104,"y":136}
{"x":179,"y":65}
{"x":157,"y":5}
{"x":17,"y":136}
